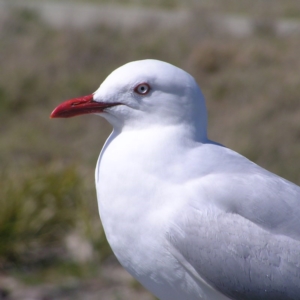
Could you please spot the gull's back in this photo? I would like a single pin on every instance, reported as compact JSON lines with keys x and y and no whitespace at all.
{"x":246,"y":241}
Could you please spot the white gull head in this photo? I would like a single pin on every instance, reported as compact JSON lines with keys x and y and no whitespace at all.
{"x":146,"y":93}
{"x":153,"y":93}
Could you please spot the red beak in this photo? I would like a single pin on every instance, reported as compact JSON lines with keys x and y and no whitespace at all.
{"x":80,"y":106}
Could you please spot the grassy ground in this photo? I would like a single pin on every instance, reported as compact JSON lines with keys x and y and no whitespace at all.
{"x":49,"y":226}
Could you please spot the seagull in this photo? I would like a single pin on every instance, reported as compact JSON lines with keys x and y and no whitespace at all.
{"x":187,"y":217}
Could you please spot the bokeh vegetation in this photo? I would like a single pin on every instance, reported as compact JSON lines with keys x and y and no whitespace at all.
{"x":47,"y":196}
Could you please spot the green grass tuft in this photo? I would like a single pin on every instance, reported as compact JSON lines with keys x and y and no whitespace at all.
{"x":37,"y":211}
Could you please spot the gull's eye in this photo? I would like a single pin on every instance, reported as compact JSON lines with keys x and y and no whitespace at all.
{"x":142,"y":89}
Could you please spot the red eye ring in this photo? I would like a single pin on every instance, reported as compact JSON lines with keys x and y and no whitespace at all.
{"x":142,"y":89}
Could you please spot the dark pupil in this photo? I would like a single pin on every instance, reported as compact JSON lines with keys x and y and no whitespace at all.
{"x":142,"y":88}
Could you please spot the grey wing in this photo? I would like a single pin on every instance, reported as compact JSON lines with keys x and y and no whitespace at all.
{"x":238,"y":258}
{"x":237,"y":185}
{"x":240,"y":232}
{"x":267,"y":200}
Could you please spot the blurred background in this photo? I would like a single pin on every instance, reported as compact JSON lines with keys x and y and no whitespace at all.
{"x":245,"y":55}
